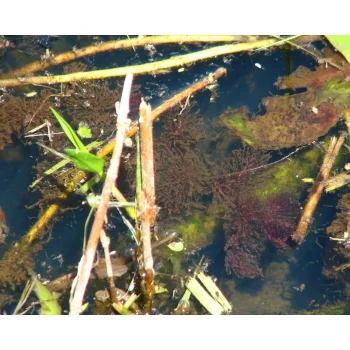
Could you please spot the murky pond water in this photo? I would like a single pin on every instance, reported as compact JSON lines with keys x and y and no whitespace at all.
{"x":240,"y":220}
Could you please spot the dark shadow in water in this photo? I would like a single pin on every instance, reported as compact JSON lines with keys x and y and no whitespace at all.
{"x":16,"y":175}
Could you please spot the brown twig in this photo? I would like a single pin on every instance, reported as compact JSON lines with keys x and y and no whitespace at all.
{"x":342,"y":267}
{"x":117,"y":305}
{"x":147,"y":207}
{"x":315,"y":194}
{"x":123,"y":123}
{"x":105,"y":244}
{"x":69,"y":56}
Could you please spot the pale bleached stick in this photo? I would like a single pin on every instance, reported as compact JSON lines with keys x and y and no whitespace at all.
{"x":123,"y":124}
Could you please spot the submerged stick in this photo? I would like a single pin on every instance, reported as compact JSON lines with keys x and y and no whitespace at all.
{"x":315,"y":194}
{"x":69,"y":56}
{"x":147,"y":205}
{"x":114,"y":295}
{"x":48,"y":214}
{"x":151,"y":67}
{"x":123,"y":123}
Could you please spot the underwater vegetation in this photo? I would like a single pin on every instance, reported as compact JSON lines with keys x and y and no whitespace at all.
{"x":272,"y":220}
{"x":197,"y":193}
{"x":181,"y":168}
{"x":186,"y":181}
{"x":204,"y":188}
{"x":338,"y":254}
{"x":296,"y":118}
{"x":292,"y":121}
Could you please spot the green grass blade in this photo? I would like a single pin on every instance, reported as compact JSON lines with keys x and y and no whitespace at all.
{"x":48,"y":301}
{"x":70,"y":133}
{"x":85,"y":161}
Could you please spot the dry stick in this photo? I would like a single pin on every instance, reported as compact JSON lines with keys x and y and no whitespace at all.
{"x":80,"y":175}
{"x":147,"y":205}
{"x":152,"y":67}
{"x":105,"y":244}
{"x":315,"y":194}
{"x":123,"y":123}
{"x":122,"y":44}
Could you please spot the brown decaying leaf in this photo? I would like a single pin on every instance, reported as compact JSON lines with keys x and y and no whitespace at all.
{"x":289,"y":121}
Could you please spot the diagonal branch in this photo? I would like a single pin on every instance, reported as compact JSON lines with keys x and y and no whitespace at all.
{"x":123,"y":124}
{"x":315,"y":194}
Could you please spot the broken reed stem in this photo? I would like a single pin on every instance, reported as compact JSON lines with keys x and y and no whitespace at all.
{"x":69,"y":56}
{"x":147,"y":161}
{"x":117,"y":305}
{"x":147,"y":206}
{"x":105,"y":244}
{"x":151,"y":67}
{"x":123,"y":123}
{"x":315,"y":194}
{"x":80,"y":175}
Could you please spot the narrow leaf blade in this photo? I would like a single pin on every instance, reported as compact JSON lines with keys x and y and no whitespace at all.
{"x":86,"y":161}
{"x":73,"y":137}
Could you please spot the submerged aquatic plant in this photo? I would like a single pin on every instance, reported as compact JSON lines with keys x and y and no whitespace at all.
{"x":16,"y":112}
{"x":181,"y":132}
{"x":242,"y":255}
{"x":93,"y":102}
{"x":250,"y":216}
{"x":279,"y":219}
{"x":181,"y":169}
{"x":181,"y":183}
{"x":253,"y":222}
{"x":340,"y":225}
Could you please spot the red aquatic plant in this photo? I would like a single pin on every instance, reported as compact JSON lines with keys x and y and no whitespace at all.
{"x":242,"y":254}
{"x":234,"y":176}
{"x":250,"y":218}
{"x":280,"y":213}
{"x":244,"y":241}
{"x":251,"y":224}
